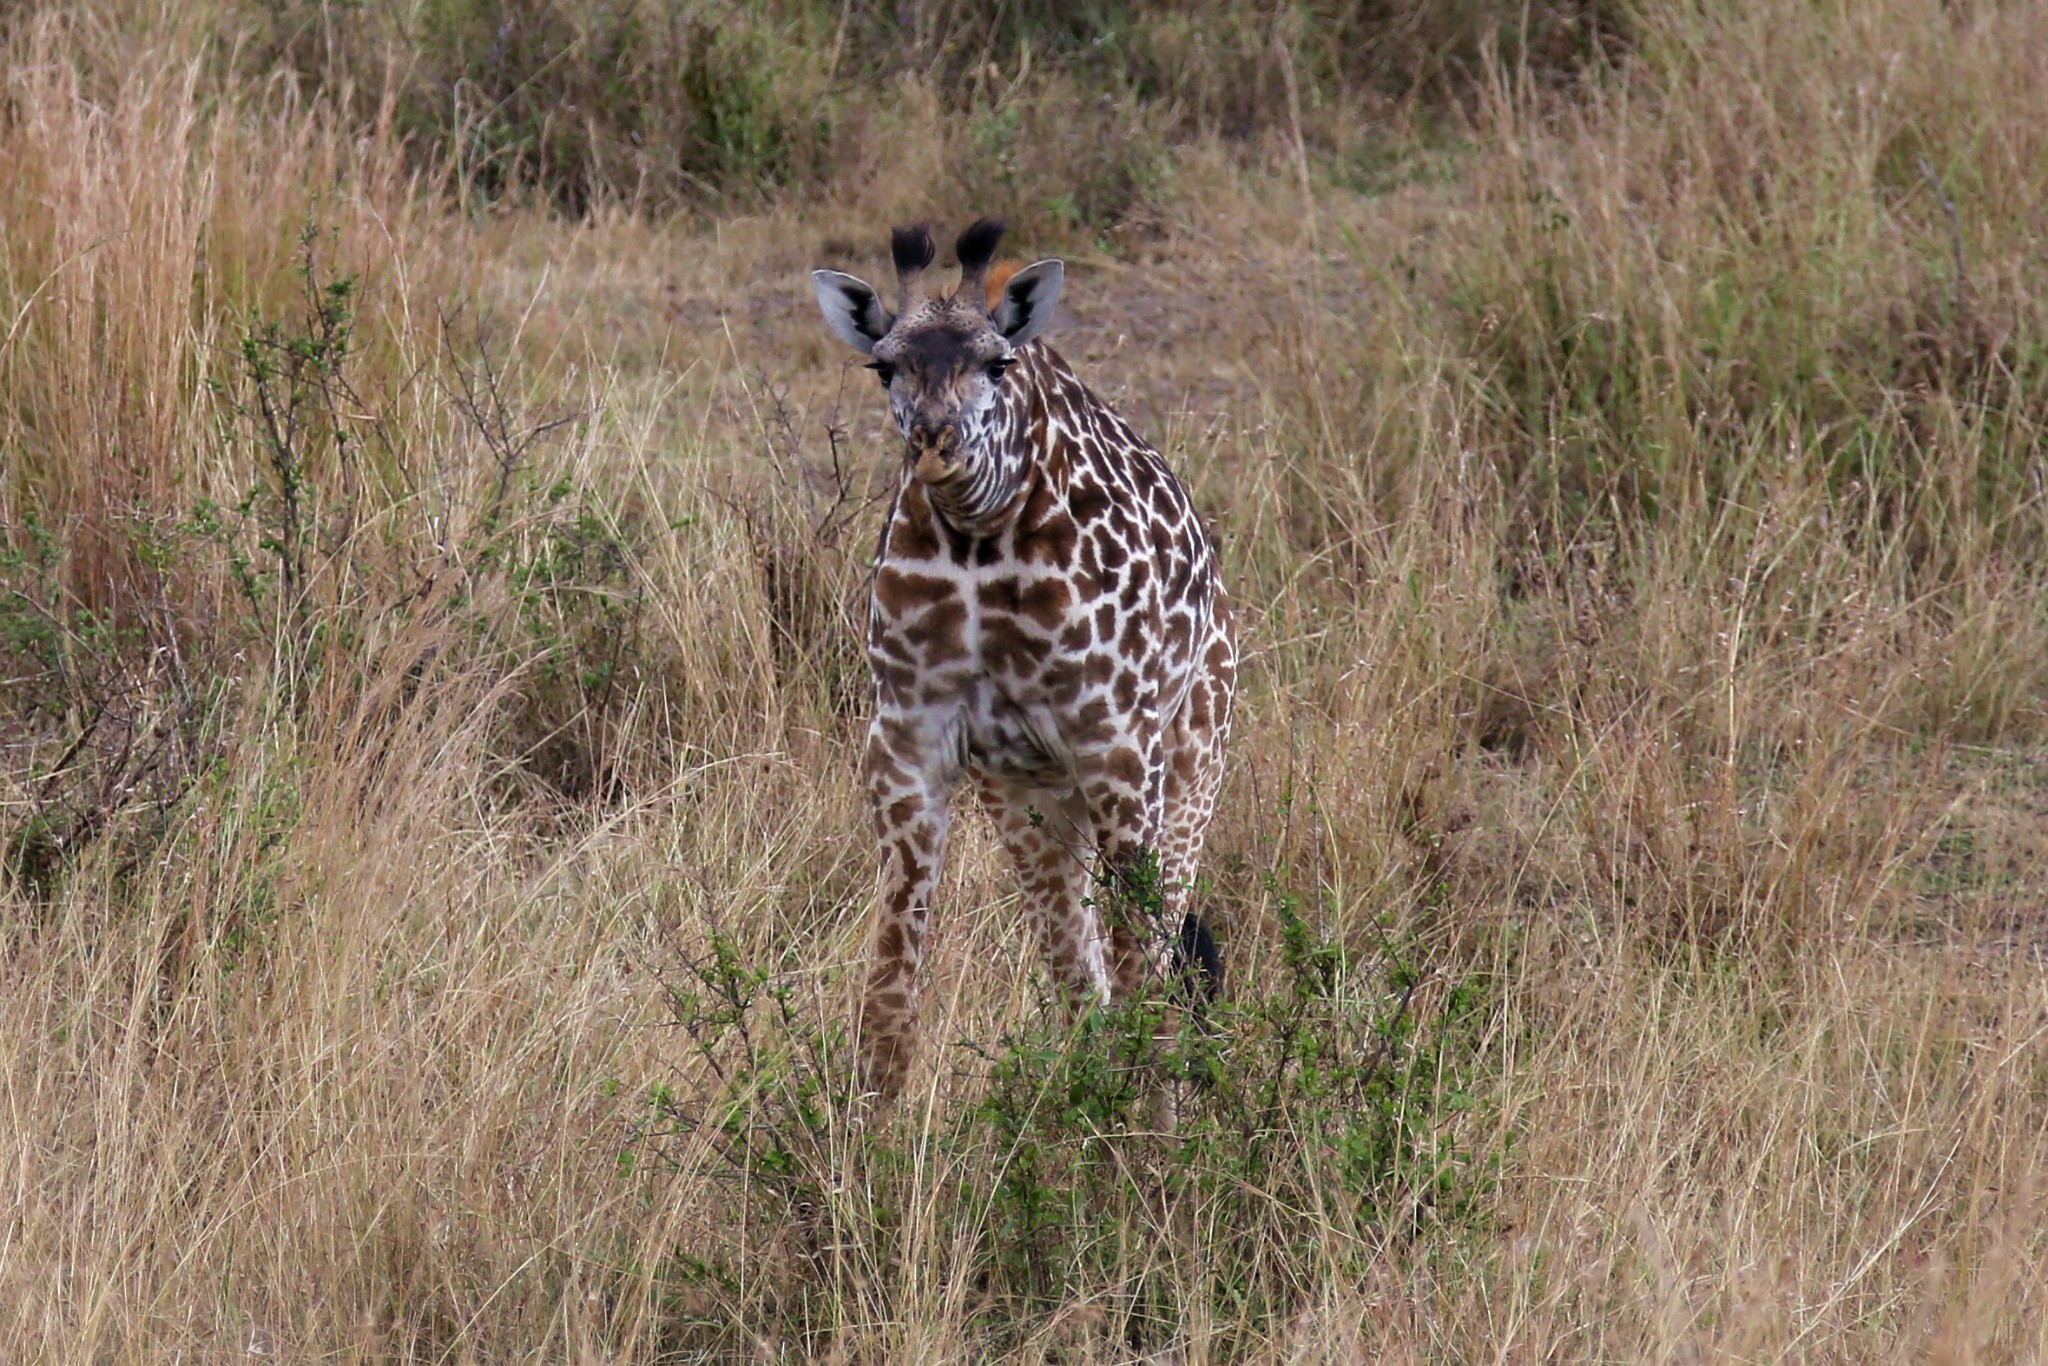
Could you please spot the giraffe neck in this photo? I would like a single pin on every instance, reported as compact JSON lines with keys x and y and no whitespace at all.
{"x":999,"y":451}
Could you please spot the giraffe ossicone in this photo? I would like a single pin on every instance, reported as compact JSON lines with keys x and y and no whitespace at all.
{"x":1046,"y":624}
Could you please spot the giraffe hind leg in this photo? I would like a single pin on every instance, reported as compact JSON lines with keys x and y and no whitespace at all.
{"x":1194,"y":773}
{"x":1045,"y":834}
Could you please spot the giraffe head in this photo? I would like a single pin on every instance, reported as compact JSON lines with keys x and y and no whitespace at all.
{"x":942,"y":356}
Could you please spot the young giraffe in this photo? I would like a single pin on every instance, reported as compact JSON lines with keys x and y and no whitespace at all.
{"x":1046,"y":621}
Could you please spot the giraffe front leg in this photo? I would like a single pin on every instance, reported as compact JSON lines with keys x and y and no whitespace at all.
{"x":911,"y":805}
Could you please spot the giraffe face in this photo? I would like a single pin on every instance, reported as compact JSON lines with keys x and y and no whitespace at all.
{"x":943,"y":375}
{"x":942,"y":359}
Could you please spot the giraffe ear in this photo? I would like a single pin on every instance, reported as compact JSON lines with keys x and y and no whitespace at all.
{"x":851,"y":309}
{"x":1027,"y":302}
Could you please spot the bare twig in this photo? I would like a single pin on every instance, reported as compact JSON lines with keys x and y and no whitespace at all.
{"x":479,"y":395}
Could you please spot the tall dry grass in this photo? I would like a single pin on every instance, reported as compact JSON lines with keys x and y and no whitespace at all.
{"x":432,"y":855}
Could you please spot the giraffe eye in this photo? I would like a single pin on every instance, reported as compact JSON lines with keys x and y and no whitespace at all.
{"x":884,"y":369}
{"x":997,"y":368}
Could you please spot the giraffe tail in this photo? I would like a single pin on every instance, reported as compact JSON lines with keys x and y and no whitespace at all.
{"x":1199,"y":966}
{"x":1199,"y":963}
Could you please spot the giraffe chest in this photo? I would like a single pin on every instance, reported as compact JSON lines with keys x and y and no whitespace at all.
{"x":1004,"y":663}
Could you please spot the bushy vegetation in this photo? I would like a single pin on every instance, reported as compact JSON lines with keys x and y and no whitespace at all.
{"x":1297,"y":1124}
{"x":432,"y":538}
{"x":1059,"y":109}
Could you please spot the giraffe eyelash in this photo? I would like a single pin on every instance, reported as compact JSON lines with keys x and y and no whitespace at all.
{"x":884,"y":369}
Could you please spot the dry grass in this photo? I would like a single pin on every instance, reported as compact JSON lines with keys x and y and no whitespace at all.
{"x":432,"y":856}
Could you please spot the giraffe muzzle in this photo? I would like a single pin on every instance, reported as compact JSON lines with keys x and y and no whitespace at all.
{"x":935,"y":454}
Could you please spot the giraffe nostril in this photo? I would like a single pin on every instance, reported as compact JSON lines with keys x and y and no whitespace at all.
{"x":934,"y":440}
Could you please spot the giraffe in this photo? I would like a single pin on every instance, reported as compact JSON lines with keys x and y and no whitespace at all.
{"x":1046,"y":625}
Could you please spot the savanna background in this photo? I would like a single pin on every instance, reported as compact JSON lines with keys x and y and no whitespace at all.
{"x":433,"y":524}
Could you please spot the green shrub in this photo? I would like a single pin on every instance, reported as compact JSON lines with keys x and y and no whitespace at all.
{"x":1315,"y":1115}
